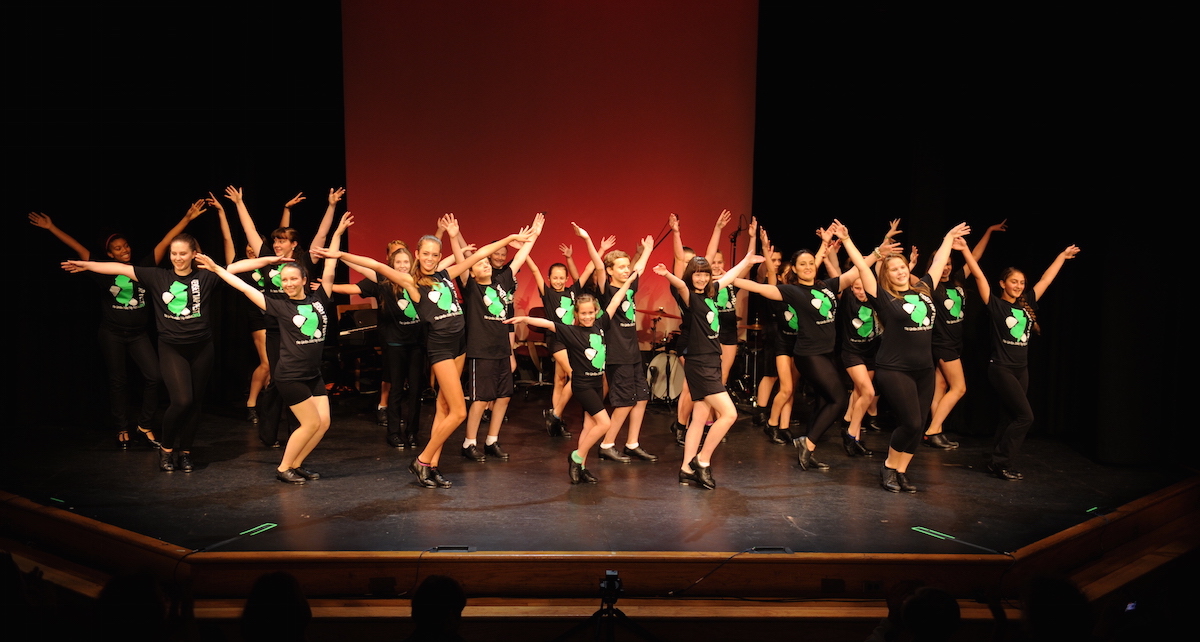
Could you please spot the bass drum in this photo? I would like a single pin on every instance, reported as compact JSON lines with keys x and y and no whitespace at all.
{"x":656,"y":376}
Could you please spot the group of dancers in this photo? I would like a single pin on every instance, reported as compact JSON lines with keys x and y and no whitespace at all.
{"x":443,"y":314}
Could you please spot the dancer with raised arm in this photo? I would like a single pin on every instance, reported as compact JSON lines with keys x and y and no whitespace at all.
{"x":698,"y":291}
{"x":1014,"y":321}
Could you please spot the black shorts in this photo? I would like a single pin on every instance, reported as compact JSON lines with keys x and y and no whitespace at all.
{"x":591,"y":397}
{"x":256,"y":319}
{"x":627,"y":384}
{"x":784,"y":343}
{"x":703,"y":375}
{"x":487,"y":379}
{"x":941,"y":353}
{"x":851,"y":359}
{"x":294,"y":392}
{"x":728,"y":334}
{"x":443,"y":347}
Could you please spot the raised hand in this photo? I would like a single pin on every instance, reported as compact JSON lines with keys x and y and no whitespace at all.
{"x":295,"y":200}
{"x":912,"y":256}
{"x":661,"y":270}
{"x":450,"y":224}
{"x":234,"y":194}
{"x":1002,"y":226}
{"x":579,"y":231}
{"x":1070,"y":252}
{"x":962,"y":229}
{"x":722,"y":220}
{"x":566,"y":250}
{"x":324,"y":253}
{"x":38,"y":219}
{"x":825,"y":233}
{"x":607,"y":243}
{"x":538,"y":221}
{"x":212,"y":200}
{"x":73,"y":266}
{"x":196,"y":209}
{"x":889,"y":247}
{"x":335,"y":195}
{"x":206,"y":262}
{"x":894,"y":229}
{"x":960,"y":244}
{"x":673,"y":222}
{"x":345,"y":224}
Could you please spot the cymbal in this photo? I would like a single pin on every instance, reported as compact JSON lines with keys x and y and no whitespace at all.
{"x":658,"y":313}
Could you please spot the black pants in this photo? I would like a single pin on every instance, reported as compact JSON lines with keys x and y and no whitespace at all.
{"x":1012,"y":386}
{"x":116,"y":346}
{"x":821,"y":372}
{"x":406,"y":363}
{"x":910,"y":394}
{"x":185,"y":371}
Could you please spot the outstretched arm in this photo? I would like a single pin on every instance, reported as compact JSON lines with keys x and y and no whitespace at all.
{"x":100,"y":267}
{"x":596,"y":260}
{"x":715,"y":240}
{"x":404,"y":280}
{"x":568,"y":253}
{"x":537,"y":276}
{"x":252,"y":237}
{"x":246,"y":265}
{"x":1048,"y":276}
{"x":750,"y":259}
{"x":972,"y":267}
{"x":256,"y":297}
{"x":195,"y":210}
{"x":458,"y":269}
{"x":856,"y":257}
{"x":619,"y":295}
{"x":592,"y":267}
{"x":534,"y":321}
{"x":1002,"y":226}
{"x":770,"y":291}
{"x":943,"y":252}
{"x":680,"y":287}
{"x":680,"y":261}
{"x":535,"y":230}
{"x":226,"y":235}
{"x":285,"y":219}
{"x":335,"y":195}
{"x":38,"y":219}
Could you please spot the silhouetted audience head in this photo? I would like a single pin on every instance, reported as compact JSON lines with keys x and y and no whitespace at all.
{"x":437,"y":608}
{"x":1054,"y":609}
{"x":931,"y":614}
{"x":132,"y":607}
{"x":276,"y":609}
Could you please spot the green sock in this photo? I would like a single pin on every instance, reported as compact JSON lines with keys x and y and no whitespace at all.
{"x":575,"y":457}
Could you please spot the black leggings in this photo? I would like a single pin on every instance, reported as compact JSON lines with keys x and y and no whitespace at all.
{"x":185,"y":371}
{"x":910,"y":394}
{"x":406,"y":363}
{"x":270,"y":403}
{"x":116,"y":346}
{"x":1012,"y":386}
{"x":821,"y":372}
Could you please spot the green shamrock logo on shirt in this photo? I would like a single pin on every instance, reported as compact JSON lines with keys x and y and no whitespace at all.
{"x":307,"y":320}
{"x":821,"y":302}
{"x":1018,"y":323}
{"x":566,"y":310}
{"x":723,"y":298}
{"x":258,"y":278}
{"x":492,"y":300}
{"x":440,"y":295}
{"x":122,"y":289}
{"x":954,"y":303}
{"x":713,"y":321}
{"x":865,"y":323}
{"x":596,"y":352}
{"x":276,"y":277}
{"x":405,"y":303}
{"x":916,"y":309}
{"x":789,"y":315}
{"x":627,"y":305}
{"x":176,"y":299}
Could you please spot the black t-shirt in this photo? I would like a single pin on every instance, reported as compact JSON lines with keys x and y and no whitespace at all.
{"x":622,"y":333}
{"x":951,"y":308}
{"x":486,"y":310}
{"x":586,"y":351}
{"x":440,"y":305}
{"x":860,"y":324}
{"x":685,"y":327}
{"x":702,"y":315}
{"x":1011,"y":330}
{"x":124,"y":308}
{"x":814,"y":310}
{"x":303,"y":326}
{"x":907,"y":329}
{"x":182,"y":304}
{"x":399,"y":323}
{"x":560,"y":306}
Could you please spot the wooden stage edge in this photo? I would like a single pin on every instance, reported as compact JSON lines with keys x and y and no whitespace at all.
{"x":1105,"y":555}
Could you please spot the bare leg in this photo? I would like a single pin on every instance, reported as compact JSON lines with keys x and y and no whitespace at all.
{"x":313,"y":414}
{"x":860,"y":399}
{"x":451,"y":408}
{"x":594,"y":427}
{"x":951,"y":372}
{"x":261,"y":374}
{"x":726,"y":415}
{"x":562,"y":382}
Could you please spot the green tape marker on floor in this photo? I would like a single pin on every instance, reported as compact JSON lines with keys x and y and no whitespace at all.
{"x":261,"y":528}
{"x":932,"y":533}
{"x":1092,"y":509}
{"x":55,"y":499}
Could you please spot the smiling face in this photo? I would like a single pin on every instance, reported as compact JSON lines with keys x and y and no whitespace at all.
{"x":119,"y":250}
{"x":429,"y":252}
{"x":498,"y":258}
{"x":718,"y":264}
{"x":283,"y":244}
{"x":482,"y":272}
{"x":946,"y":270}
{"x":1012,"y":284}
{"x":558,"y":278}
{"x":585,"y":312}
{"x":619,"y":272}
{"x":401,"y":260}
{"x":293,"y":281}
{"x":895,"y":270}
{"x":700,"y":280}
{"x":182,"y":253}
{"x":804,"y":265}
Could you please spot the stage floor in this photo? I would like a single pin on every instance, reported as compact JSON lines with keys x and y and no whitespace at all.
{"x":366,"y":500}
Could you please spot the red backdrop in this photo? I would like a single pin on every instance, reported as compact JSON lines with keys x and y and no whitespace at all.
{"x":611,"y":114}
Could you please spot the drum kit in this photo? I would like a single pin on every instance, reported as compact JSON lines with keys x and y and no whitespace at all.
{"x":665,"y":371}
